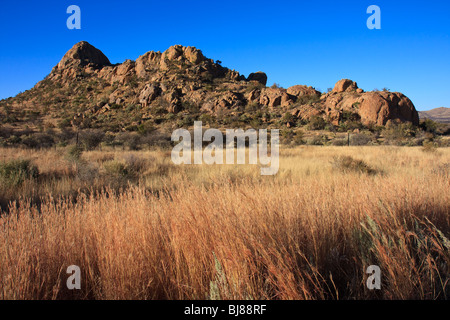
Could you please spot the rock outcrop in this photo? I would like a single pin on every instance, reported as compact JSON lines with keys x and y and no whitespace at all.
{"x":345,"y":85}
{"x":181,"y":80}
{"x":83,"y":54}
{"x":300,"y":90}
{"x":373,"y":107}
{"x":259,"y":76}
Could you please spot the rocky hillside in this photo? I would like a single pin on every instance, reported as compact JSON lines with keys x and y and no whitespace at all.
{"x":180,"y":85}
{"x":441,"y":115}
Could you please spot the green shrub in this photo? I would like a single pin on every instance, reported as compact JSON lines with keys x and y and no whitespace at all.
{"x":15,"y":172}
{"x":288,"y":117}
{"x":116,"y":169}
{"x":187,"y":121}
{"x":74,"y":153}
{"x":316,"y":123}
{"x":398,"y":134}
{"x":252,"y":107}
{"x":429,"y":125}
{"x":308,"y":99}
{"x":146,"y":127}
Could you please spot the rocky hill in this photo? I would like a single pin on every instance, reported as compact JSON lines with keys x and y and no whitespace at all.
{"x":178,"y":86}
{"x":441,"y":115}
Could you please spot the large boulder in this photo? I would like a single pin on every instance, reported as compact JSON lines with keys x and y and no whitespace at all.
{"x":148,"y":94}
{"x":173,"y":98}
{"x":193,"y":55}
{"x":345,"y":85}
{"x":259,"y":76}
{"x":147,"y":61}
{"x":380,"y":107}
{"x":222,"y":101}
{"x":300,"y":90}
{"x":181,"y":54}
{"x":275,"y":97}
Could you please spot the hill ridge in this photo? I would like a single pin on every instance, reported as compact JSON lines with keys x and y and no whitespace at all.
{"x":175,"y":87}
{"x":441,"y":114}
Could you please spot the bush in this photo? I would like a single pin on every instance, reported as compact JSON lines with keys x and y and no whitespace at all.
{"x":38,"y":140}
{"x":156,"y":138}
{"x":86,"y":171}
{"x":316,"y":123}
{"x":275,"y":86}
{"x":429,"y":125}
{"x":360,"y":139}
{"x":429,"y":147}
{"x":15,"y":172}
{"x":64,"y":123}
{"x":288,"y":117}
{"x":187,"y":121}
{"x":74,"y":153}
{"x":308,"y":99}
{"x":319,"y":140}
{"x":291,"y":137}
{"x":348,"y":164}
{"x":132,"y":140}
{"x":339,"y":142}
{"x":398,"y":134}
{"x":91,"y":138}
{"x":252,"y":107}
{"x":146,"y":127}
{"x":134,"y":165}
{"x":116,"y":169}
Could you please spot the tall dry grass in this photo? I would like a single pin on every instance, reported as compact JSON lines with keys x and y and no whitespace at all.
{"x":225,"y":232}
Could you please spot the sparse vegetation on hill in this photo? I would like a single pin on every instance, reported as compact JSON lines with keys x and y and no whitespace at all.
{"x":162,"y":91}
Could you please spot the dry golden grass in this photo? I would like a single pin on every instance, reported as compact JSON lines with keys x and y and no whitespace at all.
{"x":225,"y":232}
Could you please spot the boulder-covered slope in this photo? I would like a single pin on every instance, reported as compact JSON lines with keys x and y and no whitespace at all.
{"x":85,"y":90}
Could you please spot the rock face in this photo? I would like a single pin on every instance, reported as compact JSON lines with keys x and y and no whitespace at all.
{"x":181,"y":80}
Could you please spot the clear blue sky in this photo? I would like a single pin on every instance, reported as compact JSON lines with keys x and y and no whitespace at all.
{"x":295,"y":42}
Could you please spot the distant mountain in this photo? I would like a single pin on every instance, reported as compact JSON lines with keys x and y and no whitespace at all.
{"x":439,"y":115}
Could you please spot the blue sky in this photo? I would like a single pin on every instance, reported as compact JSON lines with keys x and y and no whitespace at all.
{"x":315,"y":43}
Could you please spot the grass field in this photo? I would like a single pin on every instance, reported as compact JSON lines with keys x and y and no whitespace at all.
{"x":140,"y":227}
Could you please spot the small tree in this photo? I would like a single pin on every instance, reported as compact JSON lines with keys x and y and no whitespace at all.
{"x":275,"y":86}
{"x":429,"y":125}
{"x":316,"y":123}
{"x":91,"y":138}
